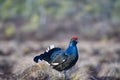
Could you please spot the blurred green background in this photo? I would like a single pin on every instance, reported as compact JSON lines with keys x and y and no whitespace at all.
{"x":49,"y":19}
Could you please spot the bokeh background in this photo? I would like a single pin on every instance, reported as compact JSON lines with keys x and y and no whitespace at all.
{"x":28,"y":27}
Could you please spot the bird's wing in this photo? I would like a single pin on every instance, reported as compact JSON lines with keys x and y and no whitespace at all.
{"x":58,"y":58}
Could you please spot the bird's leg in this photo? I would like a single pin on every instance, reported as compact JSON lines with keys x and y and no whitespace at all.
{"x":65,"y":74}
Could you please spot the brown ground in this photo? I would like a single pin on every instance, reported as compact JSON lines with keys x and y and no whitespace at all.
{"x":97,"y":61}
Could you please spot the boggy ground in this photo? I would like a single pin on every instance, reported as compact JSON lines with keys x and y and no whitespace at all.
{"x":97,"y":61}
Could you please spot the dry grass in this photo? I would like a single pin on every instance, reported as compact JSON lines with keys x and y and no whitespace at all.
{"x":97,"y":61}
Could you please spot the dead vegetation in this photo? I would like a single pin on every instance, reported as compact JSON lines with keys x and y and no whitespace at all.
{"x":97,"y":61}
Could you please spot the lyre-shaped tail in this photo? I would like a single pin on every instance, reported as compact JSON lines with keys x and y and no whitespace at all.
{"x":42,"y":56}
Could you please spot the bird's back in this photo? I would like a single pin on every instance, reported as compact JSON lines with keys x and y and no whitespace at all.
{"x":48,"y":55}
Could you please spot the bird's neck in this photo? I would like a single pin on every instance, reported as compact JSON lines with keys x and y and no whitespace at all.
{"x":72,"y":48}
{"x":72,"y":44}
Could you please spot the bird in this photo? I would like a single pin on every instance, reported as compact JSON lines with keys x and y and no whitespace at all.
{"x":60,"y":59}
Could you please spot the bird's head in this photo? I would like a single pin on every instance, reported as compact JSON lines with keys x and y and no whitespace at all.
{"x":74,"y":39}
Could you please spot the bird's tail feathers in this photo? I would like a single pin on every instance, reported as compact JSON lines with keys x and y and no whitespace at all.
{"x":49,"y":48}
{"x":42,"y":56}
{"x":36,"y":58}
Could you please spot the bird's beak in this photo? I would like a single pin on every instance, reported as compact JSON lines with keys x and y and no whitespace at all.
{"x":77,"y":40}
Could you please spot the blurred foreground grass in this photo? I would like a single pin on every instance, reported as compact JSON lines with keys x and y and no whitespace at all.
{"x":97,"y":61}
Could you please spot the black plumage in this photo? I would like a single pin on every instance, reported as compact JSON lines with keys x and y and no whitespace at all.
{"x":61,"y":59}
